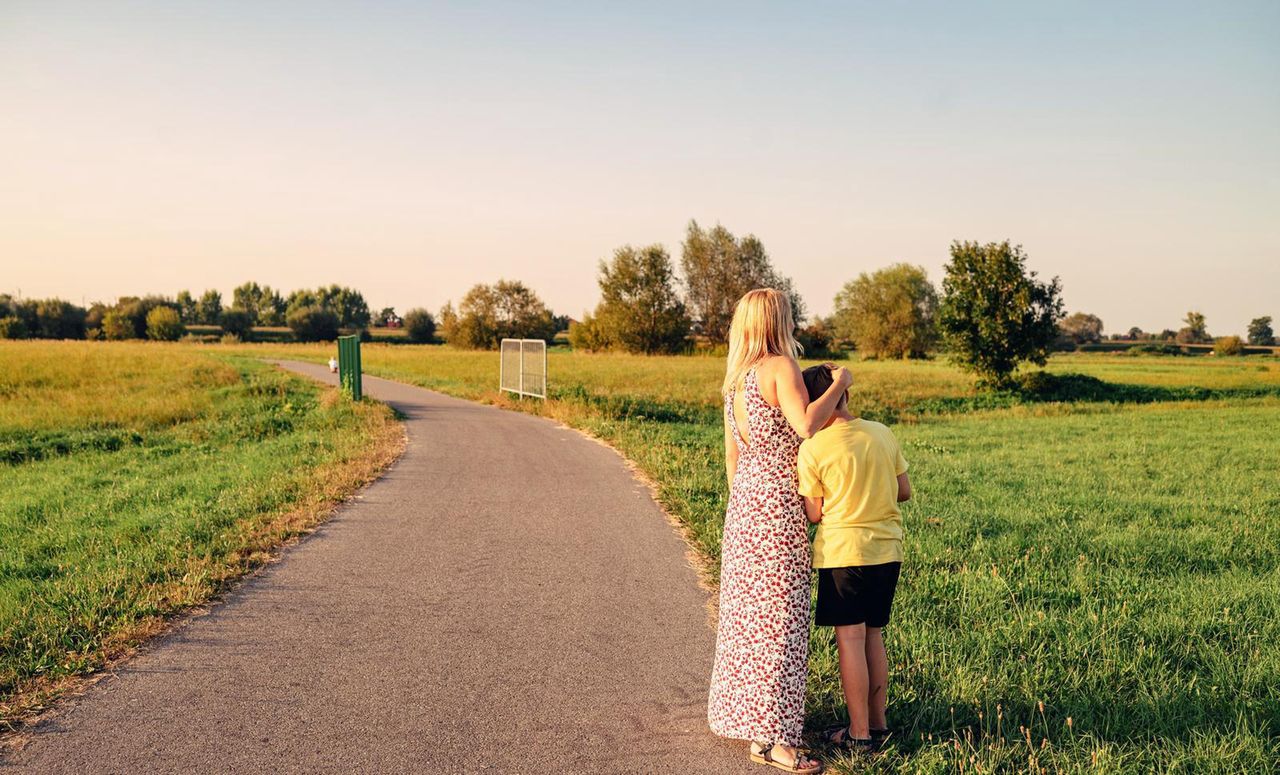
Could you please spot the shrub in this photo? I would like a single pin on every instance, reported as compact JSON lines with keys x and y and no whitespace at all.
{"x":587,"y":335}
{"x":1260,"y":332}
{"x":1081,"y":328}
{"x":58,"y":319}
{"x":419,"y":326}
{"x":1228,"y":345}
{"x":230,"y":339}
{"x":117,"y":325}
{"x":1155,"y":349}
{"x":164,"y":324}
{"x":313,"y":324}
{"x":12,"y":327}
{"x":816,"y":339}
{"x":236,"y":321}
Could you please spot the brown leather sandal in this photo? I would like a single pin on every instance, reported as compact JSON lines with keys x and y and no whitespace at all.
{"x":765,"y":756}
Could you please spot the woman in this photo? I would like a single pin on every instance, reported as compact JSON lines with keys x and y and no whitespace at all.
{"x":762,"y":646}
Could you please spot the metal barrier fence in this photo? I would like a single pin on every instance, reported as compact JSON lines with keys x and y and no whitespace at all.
{"x":523,"y":367}
{"x":349,"y":366}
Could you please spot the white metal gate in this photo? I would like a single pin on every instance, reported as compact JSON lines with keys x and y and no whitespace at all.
{"x":523,"y":367}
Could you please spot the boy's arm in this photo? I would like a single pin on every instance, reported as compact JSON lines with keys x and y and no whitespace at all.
{"x":904,"y":487}
{"x":813,"y":509}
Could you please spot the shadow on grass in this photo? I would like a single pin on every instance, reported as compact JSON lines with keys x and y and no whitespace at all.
{"x":1111,"y":718}
{"x":622,"y":407}
{"x":1043,"y":387}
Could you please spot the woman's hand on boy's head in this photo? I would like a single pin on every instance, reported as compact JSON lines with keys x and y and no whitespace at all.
{"x":842,"y":376}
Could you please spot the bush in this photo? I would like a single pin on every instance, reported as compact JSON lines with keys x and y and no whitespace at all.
{"x":419,"y":326}
{"x":164,"y":324}
{"x":1228,"y":345}
{"x":58,"y":319}
{"x":816,"y":339}
{"x":1155,"y":349}
{"x":313,"y":324}
{"x":13,"y":328}
{"x":117,"y":325}
{"x":236,"y":322}
{"x":587,"y":335}
{"x":230,"y":339}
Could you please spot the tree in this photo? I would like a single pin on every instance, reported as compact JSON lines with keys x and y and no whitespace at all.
{"x":313,"y":324}
{"x":1194,"y":331}
{"x":719,"y":269}
{"x":1260,"y":332}
{"x":816,"y":338}
{"x":264,"y":306}
{"x":209,"y":308}
{"x":448,"y":324}
{"x":12,"y":327}
{"x":347,"y":304}
{"x":164,"y":324}
{"x":117,"y":325}
{"x":385,"y":316}
{"x":994,"y":313}
{"x":419,"y":326}
{"x":58,"y":319}
{"x":588,"y":335}
{"x":888,"y":314}
{"x":1136,"y":333}
{"x":1228,"y":345}
{"x":1082,"y":328}
{"x":236,"y":322}
{"x":187,"y":307}
{"x":490,"y":313}
{"x":136,"y":310}
{"x":640,"y":310}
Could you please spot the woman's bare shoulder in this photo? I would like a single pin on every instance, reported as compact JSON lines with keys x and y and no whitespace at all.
{"x":774,"y":365}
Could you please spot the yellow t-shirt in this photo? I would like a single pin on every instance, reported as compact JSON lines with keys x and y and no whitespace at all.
{"x":854,"y":466}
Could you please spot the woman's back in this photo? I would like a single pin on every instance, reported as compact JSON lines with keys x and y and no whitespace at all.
{"x":759,"y":424}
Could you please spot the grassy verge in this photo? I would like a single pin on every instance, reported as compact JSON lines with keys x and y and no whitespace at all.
{"x":1092,"y":584}
{"x":140,"y":479}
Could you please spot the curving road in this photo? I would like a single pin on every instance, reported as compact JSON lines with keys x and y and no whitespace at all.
{"x":506,"y":598}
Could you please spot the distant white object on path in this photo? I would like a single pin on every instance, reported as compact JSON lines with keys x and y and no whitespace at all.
{"x":333,"y":365}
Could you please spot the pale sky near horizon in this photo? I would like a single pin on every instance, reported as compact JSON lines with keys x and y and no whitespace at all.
{"x":412,"y":150}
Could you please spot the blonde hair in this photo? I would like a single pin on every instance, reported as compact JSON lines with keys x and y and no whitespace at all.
{"x":762,"y":326}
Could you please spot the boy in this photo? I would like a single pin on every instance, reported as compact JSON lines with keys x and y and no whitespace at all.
{"x":853,"y":476}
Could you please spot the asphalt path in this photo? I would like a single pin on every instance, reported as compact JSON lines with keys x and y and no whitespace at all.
{"x":506,"y":598}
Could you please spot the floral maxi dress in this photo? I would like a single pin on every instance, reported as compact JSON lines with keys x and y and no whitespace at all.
{"x":762,"y":645}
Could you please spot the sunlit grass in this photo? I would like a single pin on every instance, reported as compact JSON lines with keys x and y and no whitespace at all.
{"x":1114,"y":561}
{"x":138,"y":479}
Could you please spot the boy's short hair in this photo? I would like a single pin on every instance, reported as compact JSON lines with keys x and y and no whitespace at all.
{"x":817,"y":379}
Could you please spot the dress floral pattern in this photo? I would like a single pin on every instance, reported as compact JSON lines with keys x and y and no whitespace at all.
{"x":762,"y":646}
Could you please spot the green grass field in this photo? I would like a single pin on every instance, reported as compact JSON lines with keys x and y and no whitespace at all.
{"x":139,"y":479}
{"x":1092,"y":585}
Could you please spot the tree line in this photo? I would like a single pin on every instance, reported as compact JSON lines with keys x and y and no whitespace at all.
{"x":991,"y":312}
{"x":312,"y":314}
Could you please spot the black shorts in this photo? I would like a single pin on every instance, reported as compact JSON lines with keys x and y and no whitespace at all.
{"x":856,"y":595}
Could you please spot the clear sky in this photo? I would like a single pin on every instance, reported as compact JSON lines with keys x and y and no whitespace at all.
{"x":412,"y":149}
